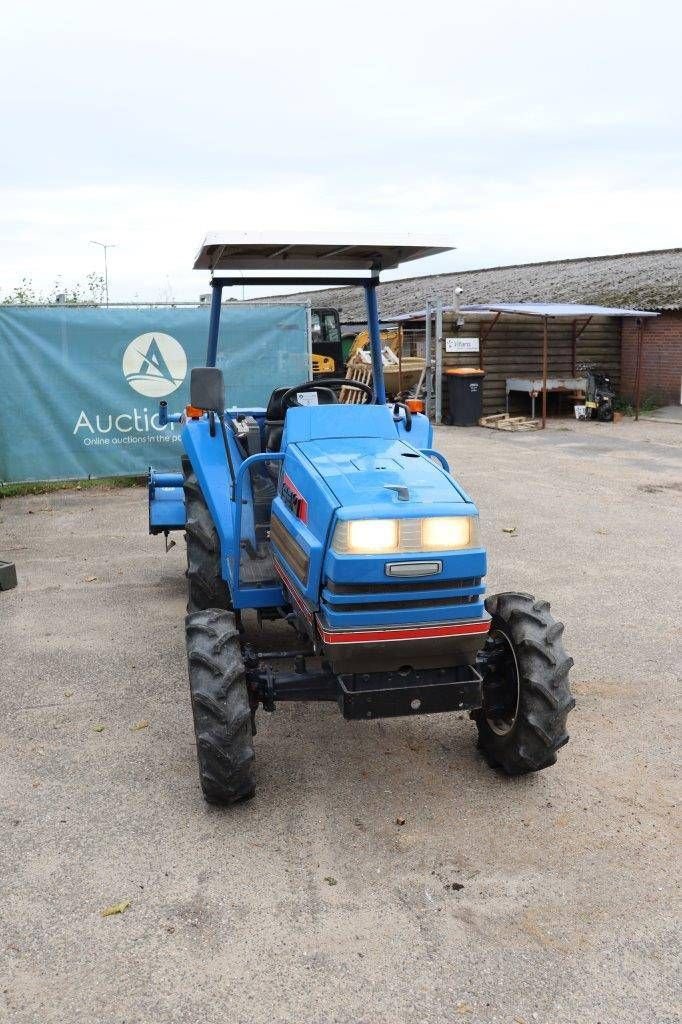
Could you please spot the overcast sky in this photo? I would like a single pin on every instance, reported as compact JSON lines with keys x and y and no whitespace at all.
{"x":521,"y":131}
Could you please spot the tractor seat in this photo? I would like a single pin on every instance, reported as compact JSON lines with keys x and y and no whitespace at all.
{"x":275,"y":413}
{"x":274,"y":421}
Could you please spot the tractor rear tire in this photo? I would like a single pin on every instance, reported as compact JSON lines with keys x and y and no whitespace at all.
{"x":526,"y":673}
{"x":220,"y":705}
{"x":205,"y":584}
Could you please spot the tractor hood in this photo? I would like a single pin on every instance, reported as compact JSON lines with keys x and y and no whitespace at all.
{"x":385,"y":476}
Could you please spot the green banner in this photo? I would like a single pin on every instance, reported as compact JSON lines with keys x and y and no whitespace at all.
{"x":80,"y":386}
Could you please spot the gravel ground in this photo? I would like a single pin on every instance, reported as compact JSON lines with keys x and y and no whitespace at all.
{"x":550,"y":898}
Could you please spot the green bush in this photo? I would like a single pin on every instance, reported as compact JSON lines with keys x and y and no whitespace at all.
{"x":647,"y":404}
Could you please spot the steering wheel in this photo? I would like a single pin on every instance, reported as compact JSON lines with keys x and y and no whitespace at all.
{"x":329,"y":387}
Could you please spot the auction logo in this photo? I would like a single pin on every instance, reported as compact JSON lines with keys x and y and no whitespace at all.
{"x":154,"y":364}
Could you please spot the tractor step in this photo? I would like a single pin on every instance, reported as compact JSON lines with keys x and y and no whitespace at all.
{"x":394,"y":694}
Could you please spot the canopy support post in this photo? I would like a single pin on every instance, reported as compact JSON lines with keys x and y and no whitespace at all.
{"x":544,"y":372}
{"x":214,"y":323}
{"x":427,"y":358}
{"x":638,"y":365}
{"x":484,"y":335}
{"x":375,"y":340}
{"x":438,"y":382}
{"x":576,"y":334}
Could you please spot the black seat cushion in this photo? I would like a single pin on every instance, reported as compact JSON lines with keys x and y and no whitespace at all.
{"x":274,"y":412}
{"x":274,"y":420}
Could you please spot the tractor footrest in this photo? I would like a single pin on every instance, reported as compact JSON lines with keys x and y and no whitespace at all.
{"x":392,"y":694}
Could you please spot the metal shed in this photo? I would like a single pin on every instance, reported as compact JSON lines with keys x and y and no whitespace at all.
{"x":538,"y":342}
{"x":578,"y":316}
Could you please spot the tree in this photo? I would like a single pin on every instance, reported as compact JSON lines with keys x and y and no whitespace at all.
{"x":89,"y":292}
{"x":22,"y":295}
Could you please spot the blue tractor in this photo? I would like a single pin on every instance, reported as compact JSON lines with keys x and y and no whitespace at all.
{"x":339,"y":518}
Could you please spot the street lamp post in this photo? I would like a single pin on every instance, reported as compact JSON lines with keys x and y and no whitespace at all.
{"x":105,"y":246}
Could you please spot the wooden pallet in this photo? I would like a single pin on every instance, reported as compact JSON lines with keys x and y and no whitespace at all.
{"x":503,"y":421}
{"x":362,"y":372}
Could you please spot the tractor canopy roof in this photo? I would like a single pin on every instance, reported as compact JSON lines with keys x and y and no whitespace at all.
{"x":278,"y":251}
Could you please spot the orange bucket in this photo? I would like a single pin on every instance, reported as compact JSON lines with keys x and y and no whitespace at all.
{"x":415,"y":405}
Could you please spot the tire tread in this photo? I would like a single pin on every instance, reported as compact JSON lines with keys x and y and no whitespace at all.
{"x":220,"y":706}
{"x":545,"y":698}
{"x":206,"y":587}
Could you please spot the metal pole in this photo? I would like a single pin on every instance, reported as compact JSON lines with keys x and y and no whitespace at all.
{"x":105,"y":246}
{"x":439,"y":362}
{"x":638,"y":367}
{"x":214,"y":323}
{"x":544,"y":373}
{"x":576,"y":335}
{"x":484,"y":334}
{"x":400,"y":359}
{"x":427,"y":356}
{"x":375,"y":341}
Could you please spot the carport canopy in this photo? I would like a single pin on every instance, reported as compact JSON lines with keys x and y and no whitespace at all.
{"x":555,"y":310}
{"x":566,"y":311}
{"x":552,"y":310}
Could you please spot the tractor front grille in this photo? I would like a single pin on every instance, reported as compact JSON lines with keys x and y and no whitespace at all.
{"x":401,"y":587}
{"x":403,"y":601}
{"x":389,"y":606}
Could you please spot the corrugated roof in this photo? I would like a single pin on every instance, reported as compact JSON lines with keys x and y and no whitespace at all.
{"x":644,"y":280}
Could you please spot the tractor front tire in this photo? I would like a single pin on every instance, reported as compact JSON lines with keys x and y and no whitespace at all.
{"x":220,"y":705}
{"x":206,"y":587}
{"x":526,"y":697}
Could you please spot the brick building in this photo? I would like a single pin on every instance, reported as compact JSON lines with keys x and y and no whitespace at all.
{"x":661,"y":367}
{"x":644,"y":280}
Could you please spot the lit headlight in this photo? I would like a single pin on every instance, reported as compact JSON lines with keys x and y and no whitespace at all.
{"x":372,"y":536}
{"x":445,"y":533}
{"x":389,"y":536}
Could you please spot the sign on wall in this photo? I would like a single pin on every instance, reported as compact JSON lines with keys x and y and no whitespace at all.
{"x":461,"y":344}
{"x":80,"y":387}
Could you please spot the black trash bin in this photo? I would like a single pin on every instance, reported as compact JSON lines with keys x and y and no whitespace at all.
{"x":465,"y":396}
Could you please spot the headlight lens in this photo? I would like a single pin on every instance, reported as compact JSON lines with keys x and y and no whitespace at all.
{"x":445,"y":533}
{"x":372,"y":536}
{"x":389,"y":536}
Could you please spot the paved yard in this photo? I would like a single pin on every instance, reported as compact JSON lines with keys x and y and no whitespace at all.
{"x":310,"y":904}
